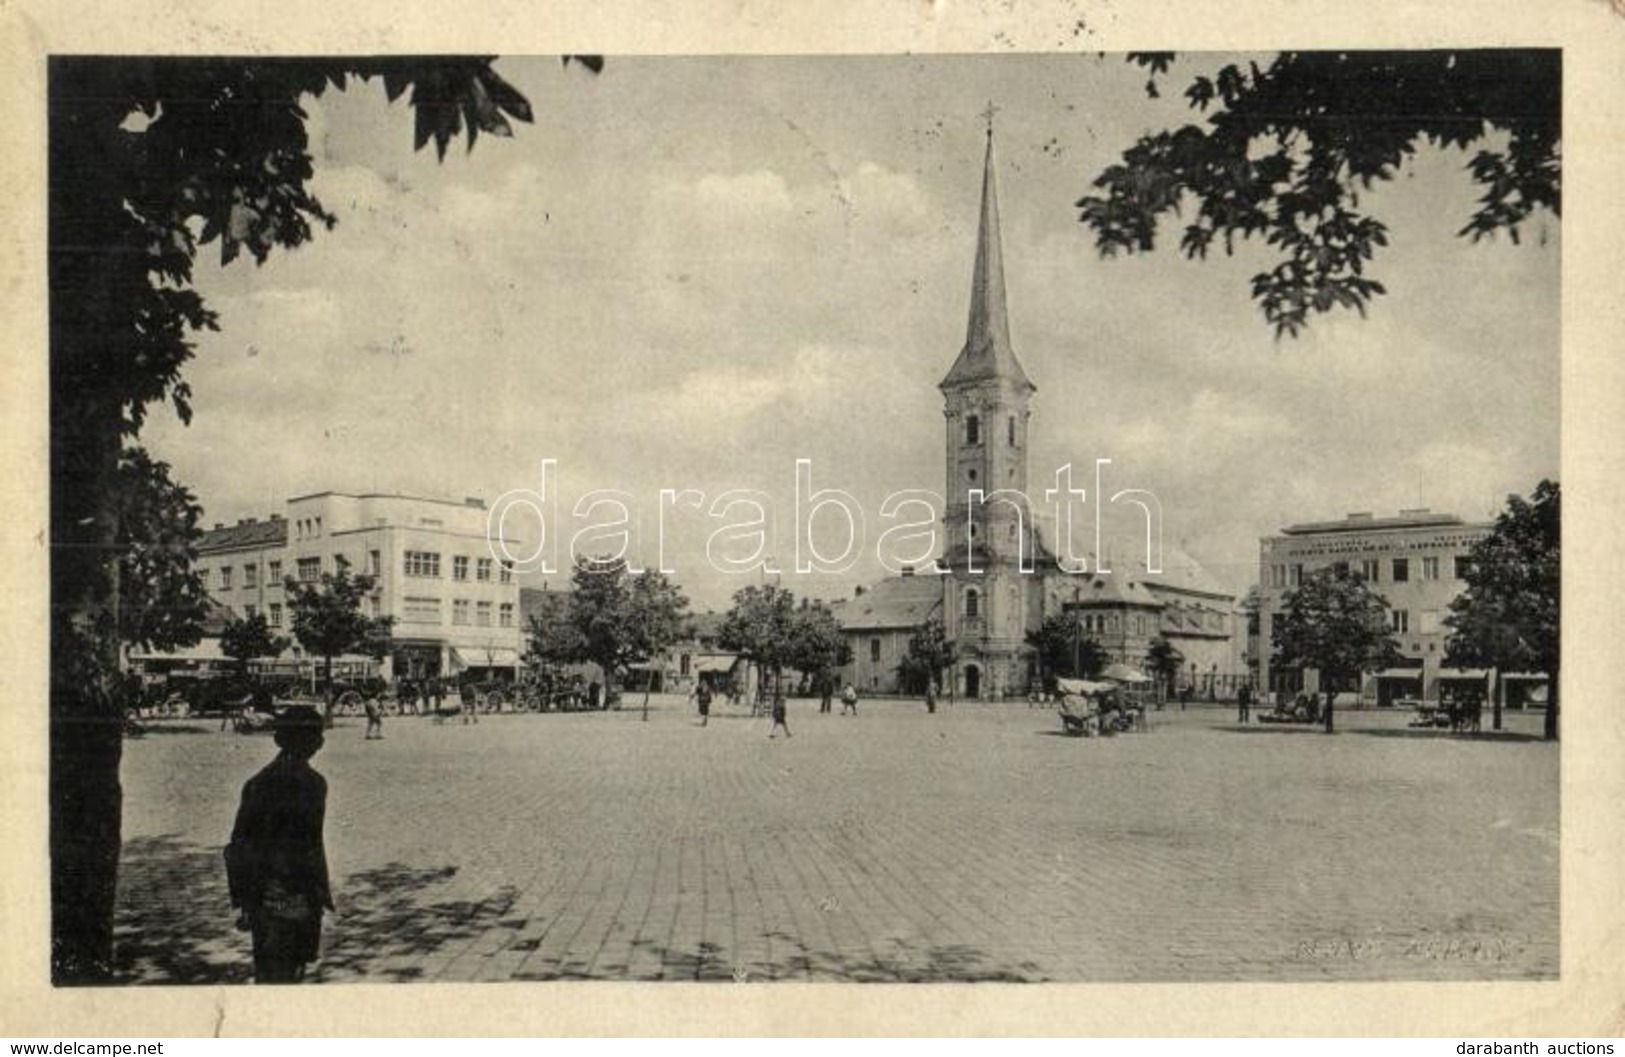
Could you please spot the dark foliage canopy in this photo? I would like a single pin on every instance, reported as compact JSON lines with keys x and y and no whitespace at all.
{"x":616,"y":618}
{"x":1335,"y":623}
{"x":1508,"y":617}
{"x":1288,"y":146}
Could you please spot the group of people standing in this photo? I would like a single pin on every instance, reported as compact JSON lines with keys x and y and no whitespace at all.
{"x":702,"y":695}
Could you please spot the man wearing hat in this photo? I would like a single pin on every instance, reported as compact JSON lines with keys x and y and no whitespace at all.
{"x":276,"y":865}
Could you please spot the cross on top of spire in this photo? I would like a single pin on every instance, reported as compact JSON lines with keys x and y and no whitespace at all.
{"x":987,"y":355}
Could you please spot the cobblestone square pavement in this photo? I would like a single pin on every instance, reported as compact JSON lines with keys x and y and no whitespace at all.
{"x":974,"y":844}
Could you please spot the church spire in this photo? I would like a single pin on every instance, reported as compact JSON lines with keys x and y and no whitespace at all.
{"x":987,"y":353}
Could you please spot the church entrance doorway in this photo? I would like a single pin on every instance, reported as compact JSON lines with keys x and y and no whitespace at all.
{"x":973,"y":682}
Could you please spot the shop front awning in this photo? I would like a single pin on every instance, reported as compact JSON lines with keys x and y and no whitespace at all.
{"x":1472,"y":674}
{"x":203,"y":650}
{"x":465,"y":657}
{"x":1413,"y":674}
{"x":715,"y":664}
{"x":1124,"y":674}
{"x":1084,"y":687}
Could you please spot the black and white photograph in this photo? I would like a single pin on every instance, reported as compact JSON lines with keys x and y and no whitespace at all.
{"x":1071,"y":516}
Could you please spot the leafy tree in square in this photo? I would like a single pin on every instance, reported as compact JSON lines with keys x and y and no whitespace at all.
{"x":326,"y":617}
{"x":150,"y":160}
{"x":817,"y":644}
{"x":930,"y":653}
{"x":1288,"y":147}
{"x":1164,"y":660}
{"x":761,"y":626}
{"x":161,"y":598}
{"x":249,"y":638}
{"x":1051,"y":643}
{"x":1509,"y":616}
{"x":617,"y":619}
{"x":1333,"y":622}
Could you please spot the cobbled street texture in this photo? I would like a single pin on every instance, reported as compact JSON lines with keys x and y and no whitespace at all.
{"x":974,"y":844}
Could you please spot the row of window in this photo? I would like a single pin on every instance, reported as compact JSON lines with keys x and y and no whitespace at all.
{"x":1370,"y":569}
{"x":973,"y":429}
{"x":426,"y":564}
{"x":273,"y":611}
{"x":309,"y":570}
{"x":1429,"y":622}
{"x":420,"y":610}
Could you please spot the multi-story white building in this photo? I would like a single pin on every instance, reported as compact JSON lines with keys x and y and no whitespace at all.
{"x":1416,"y":561}
{"x":455,"y":602}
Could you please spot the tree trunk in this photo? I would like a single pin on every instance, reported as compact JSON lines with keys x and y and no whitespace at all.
{"x":327,"y":692}
{"x":86,"y":707}
{"x":1550,"y":728}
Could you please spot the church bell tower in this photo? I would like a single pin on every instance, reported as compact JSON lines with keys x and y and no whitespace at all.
{"x":988,"y":599}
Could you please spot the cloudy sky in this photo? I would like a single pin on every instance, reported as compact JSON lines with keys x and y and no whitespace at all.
{"x":691,"y":272}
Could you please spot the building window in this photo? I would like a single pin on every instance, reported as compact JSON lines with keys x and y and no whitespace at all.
{"x":482,"y":570}
{"x":1401,"y":620}
{"x":1368,"y":569}
{"x":874,"y":649}
{"x":973,"y":603}
{"x":1340,"y":570}
{"x":1297,"y":575}
{"x":1430,"y":568}
{"x":375,"y":563}
{"x":249,"y":609}
{"x":318,"y":526}
{"x":505,"y":572}
{"x":1011,"y":422}
{"x":310,"y":570}
{"x":1464,"y":566}
{"x":420,"y":610}
{"x":276,"y":614}
{"x":251,"y":576}
{"x":423,"y":563}
{"x":505,"y":619}
{"x":459,"y":567}
{"x":973,"y":430}
{"x":1402,"y":570}
{"x":273,"y":572}
{"x":459,"y":612}
{"x":225,"y":578}
{"x":482,"y":614}
{"x":341,"y":564}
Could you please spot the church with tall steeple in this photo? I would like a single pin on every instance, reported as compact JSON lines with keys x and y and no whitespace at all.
{"x":995,"y":580}
{"x":988,"y":602}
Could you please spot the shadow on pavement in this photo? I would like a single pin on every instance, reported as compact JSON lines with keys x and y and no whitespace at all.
{"x":152,"y":729}
{"x":174,"y":923}
{"x":1439,"y":733}
{"x":386,"y":926}
{"x":792,"y":960}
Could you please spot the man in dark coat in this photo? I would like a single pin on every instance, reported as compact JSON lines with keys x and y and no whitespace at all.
{"x":276,"y":865}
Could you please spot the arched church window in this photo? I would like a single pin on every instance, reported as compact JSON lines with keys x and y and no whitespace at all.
{"x":1012,"y":424}
{"x":973,"y":430}
{"x":973,"y":603}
